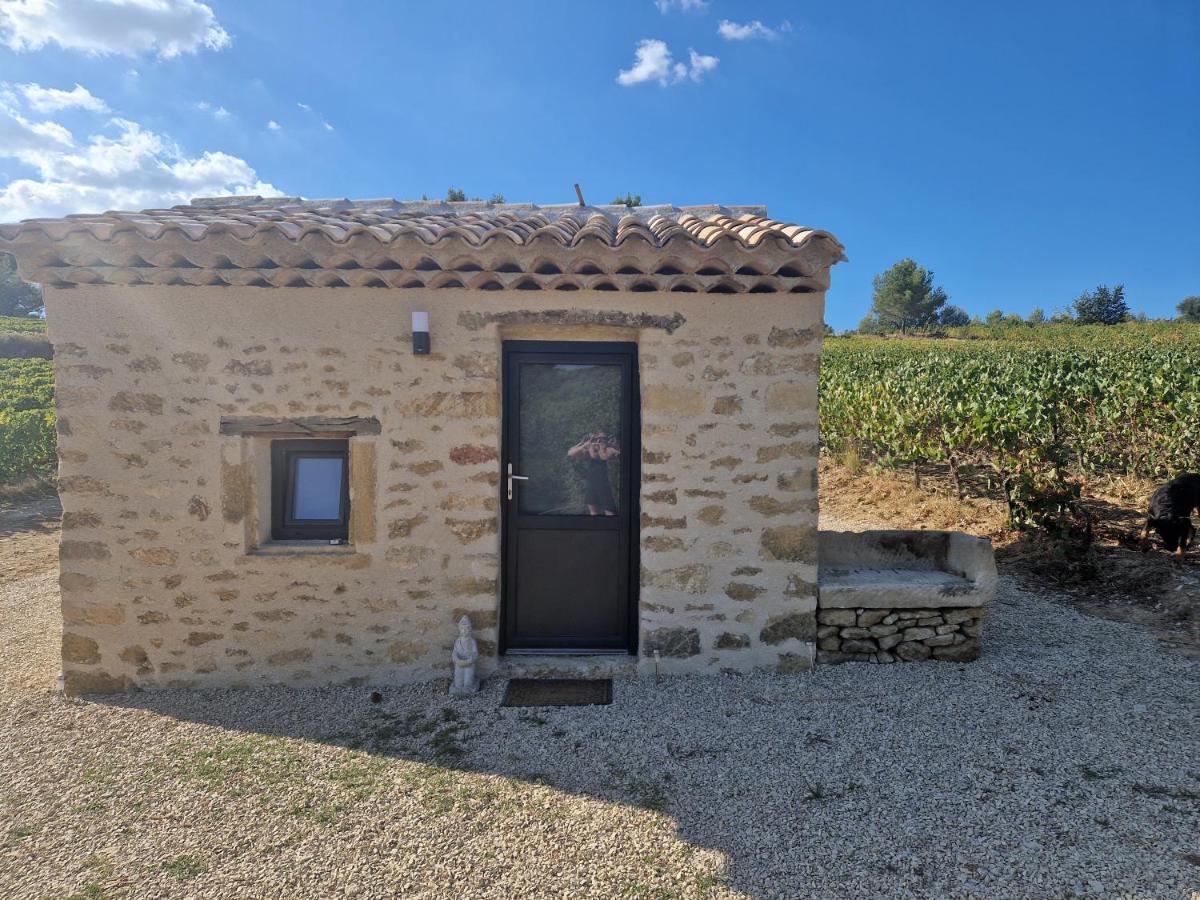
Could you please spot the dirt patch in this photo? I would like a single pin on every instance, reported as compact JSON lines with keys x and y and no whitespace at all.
{"x":29,"y":530}
{"x":869,"y":499}
{"x":1114,"y":580}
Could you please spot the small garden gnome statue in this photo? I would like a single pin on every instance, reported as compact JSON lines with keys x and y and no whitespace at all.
{"x":466,"y":652}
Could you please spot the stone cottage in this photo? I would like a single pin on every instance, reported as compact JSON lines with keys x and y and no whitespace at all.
{"x":299,"y":439}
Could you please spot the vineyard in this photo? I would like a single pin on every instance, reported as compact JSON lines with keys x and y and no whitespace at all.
{"x":27,"y":438}
{"x":22,"y":325}
{"x":1032,"y":411}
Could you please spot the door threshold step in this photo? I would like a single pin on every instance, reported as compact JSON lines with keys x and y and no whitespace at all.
{"x":599,"y":665}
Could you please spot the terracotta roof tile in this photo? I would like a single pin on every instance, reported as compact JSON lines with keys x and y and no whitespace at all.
{"x":286,"y":241}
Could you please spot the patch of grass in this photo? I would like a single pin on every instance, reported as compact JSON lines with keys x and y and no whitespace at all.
{"x":20,"y":832}
{"x":816,"y":794}
{"x":102,"y":864}
{"x":92,"y":806}
{"x":442,"y":729}
{"x":445,"y":741}
{"x":649,"y":795}
{"x":360,"y":777}
{"x":441,"y":789}
{"x":388,"y":728}
{"x":703,"y":888}
{"x":706,"y":884}
{"x":217,"y":765}
{"x":321,"y":813}
{"x":255,"y":761}
{"x":101,"y":774}
{"x":185,"y":867}
{"x":91,"y":891}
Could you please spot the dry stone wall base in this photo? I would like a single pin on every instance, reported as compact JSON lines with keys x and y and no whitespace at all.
{"x":899,"y":635}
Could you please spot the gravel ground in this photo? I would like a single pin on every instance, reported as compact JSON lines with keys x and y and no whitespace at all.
{"x":1063,"y":763}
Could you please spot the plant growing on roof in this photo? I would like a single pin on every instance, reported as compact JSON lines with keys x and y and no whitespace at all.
{"x":455,"y":195}
{"x":630,"y":200}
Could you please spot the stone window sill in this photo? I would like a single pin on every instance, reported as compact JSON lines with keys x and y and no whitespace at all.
{"x":302,"y":548}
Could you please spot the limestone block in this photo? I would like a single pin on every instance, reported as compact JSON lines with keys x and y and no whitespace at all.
{"x":911,"y":651}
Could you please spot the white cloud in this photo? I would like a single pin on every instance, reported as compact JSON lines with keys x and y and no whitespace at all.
{"x":44,"y":99}
{"x":272,"y":125}
{"x":665,"y":6}
{"x":734,"y":31}
{"x":127,"y":168}
{"x":700,"y":64}
{"x":652,"y":61}
{"x":104,"y":27}
{"x":29,"y":141}
{"x":219,"y":113}
{"x":316,"y":116}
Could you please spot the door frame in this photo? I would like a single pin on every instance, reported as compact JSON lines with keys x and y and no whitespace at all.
{"x":507,"y":400}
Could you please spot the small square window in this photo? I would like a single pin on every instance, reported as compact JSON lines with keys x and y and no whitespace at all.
{"x":310,"y":491}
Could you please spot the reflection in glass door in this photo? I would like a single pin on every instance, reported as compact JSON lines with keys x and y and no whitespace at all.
{"x":570,"y":469}
{"x":570,"y":439}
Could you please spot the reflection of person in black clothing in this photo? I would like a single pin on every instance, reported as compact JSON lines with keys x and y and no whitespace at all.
{"x":596,"y":450}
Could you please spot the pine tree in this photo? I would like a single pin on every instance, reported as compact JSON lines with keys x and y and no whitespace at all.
{"x":953,"y":317}
{"x":905,"y":297}
{"x":1102,"y":306}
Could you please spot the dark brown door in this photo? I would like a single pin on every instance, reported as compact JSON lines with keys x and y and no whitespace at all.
{"x":569,"y":491}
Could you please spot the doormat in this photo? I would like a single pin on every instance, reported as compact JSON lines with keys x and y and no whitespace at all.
{"x":558,"y":692}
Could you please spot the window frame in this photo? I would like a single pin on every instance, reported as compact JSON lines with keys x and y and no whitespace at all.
{"x":284,"y":456}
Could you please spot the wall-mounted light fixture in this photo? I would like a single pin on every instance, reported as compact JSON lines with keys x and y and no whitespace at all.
{"x":420,"y":330}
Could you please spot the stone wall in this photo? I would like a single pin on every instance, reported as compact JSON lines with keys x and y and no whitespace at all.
{"x":167,"y":578}
{"x":899,"y":635}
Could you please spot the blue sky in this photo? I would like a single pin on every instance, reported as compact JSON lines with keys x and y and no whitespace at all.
{"x":1023,"y":151}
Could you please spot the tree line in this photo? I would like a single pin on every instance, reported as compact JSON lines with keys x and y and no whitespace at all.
{"x":906,"y":299}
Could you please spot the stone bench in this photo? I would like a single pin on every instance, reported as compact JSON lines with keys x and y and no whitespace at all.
{"x":885,"y":596}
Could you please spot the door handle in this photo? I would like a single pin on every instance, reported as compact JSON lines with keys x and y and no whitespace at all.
{"x":512,"y":478}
